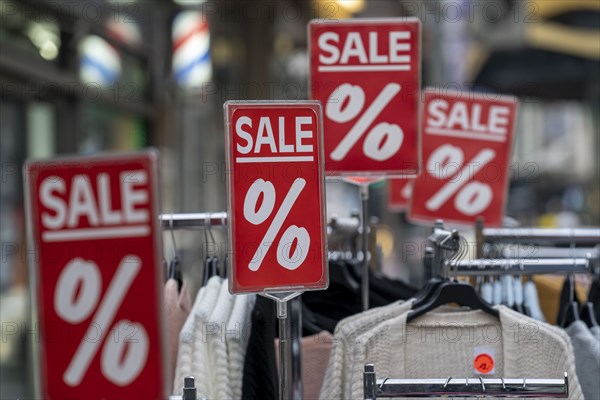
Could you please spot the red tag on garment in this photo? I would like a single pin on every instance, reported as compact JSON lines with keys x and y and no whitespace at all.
{"x":484,"y":363}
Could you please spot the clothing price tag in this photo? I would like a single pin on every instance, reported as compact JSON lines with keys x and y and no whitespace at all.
{"x":366,"y":73}
{"x":94,"y":222}
{"x":483,"y":361}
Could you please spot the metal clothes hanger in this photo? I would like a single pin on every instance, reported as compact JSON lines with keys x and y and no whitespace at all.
{"x":175,"y":265}
{"x":226,"y":260}
{"x":571,"y":310}
{"x":211,"y":263}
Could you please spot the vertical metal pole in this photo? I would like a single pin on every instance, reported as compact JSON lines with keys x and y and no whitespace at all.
{"x":295,"y":319}
{"x":364,"y":196}
{"x":285,"y":351}
{"x":369,"y":382}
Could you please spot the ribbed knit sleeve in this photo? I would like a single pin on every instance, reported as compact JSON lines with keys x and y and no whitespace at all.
{"x":183,"y":366}
{"x":587,"y":358}
{"x":217,"y":349}
{"x":200,"y":360}
{"x":236,"y":339}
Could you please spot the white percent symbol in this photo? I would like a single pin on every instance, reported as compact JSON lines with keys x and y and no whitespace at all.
{"x":76,"y":296}
{"x":345,"y":103}
{"x":288,"y":255}
{"x":473,"y":197}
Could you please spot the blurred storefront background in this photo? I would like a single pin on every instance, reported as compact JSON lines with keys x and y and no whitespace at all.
{"x":90,"y":76}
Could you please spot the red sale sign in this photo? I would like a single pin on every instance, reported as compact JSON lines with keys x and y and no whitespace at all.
{"x":366,"y":73}
{"x":276,"y":196}
{"x":467,"y":143}
{"x":98,"y":279}
{"x":399,"y":193}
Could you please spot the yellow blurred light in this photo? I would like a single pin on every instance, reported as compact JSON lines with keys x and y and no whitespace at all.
{"x":385,"y":239}
{"x":352,"y":6}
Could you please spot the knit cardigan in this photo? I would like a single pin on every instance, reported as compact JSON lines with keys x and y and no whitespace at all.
{"x":193,"y":350}
{"x":217,"y":371}
{"x":341,"y":357}
{"x":237,"y":335}
{"x":524,"y":348}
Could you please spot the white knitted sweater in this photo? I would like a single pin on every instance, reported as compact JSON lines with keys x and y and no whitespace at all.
{"x":236,"y":338}
{"x":441,"y":344}
{"x":335,"y":384}
{"x":193,"y":350}
{"x":217,"y":371}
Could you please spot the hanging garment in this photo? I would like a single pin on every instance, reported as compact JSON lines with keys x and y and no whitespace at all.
{"x":487,"y":292}
{"x":421,"y":349}
{"x":497,"y":292}
{"x":315,"y":355}
{"x":518,"y":293}
{"x":214,"y":336}
{"x":192,"y":355}
{"x":260,"y":371}
{"x":177,"y":309}
{"x":596,"y":332}
{"x":183,"y":365}
{"x":237,"y":335}
{"x":508,"y":294}
{"x":346,"y":332}
{"x":532,"y":301}
{"x":587,"y":358}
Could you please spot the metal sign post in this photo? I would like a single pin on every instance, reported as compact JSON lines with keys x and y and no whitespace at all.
{"x":364,"y":196}
{"x":276,"y":205}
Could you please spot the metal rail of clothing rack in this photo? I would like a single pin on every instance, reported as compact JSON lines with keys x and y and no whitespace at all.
{"x":502,"y":266}
{"x":462,"y":387}
{"x":561,"y":236}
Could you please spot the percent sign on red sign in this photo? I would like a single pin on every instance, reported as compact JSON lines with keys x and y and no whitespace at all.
{"x":93,"y":221}
{"x":276,"y":196}
{"x":366,"y":73}
{"x":467,"y":142}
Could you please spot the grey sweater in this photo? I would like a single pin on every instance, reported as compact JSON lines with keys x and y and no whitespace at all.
{"x":587,"y":358}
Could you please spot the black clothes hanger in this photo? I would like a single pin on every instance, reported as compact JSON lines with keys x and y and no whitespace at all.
{"x":211,"y":268}
{"x":588,"y":315}
{"x":175,"y":272}
{"x":453,"y":244}
{"x":594,"y":295}
{"x":568,"y":311}
{"x":225,"y":266}
{"x":570,"y":314}
{"x":339,"y":273}
{"x":165,"y":267}
{"x":211,"y":263}
{"x":453,"y":292}
{"x":175,"y":266}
